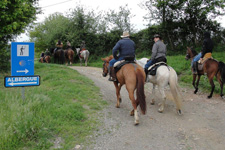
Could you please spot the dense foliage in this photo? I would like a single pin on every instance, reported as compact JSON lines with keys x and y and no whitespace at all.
{"x":15,"y":16}
{"x":181,"y":24}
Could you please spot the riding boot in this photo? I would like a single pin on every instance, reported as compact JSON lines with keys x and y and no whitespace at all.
{"x":195,"y":67}
{"x":146,"y":73}
{"x":112,"y":74}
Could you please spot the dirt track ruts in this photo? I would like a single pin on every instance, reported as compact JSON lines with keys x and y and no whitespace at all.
{"x":201,"y":127}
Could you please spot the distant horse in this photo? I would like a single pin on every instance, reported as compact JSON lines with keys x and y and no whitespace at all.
{"x":46,"y":59}
{"x":83,"y":55}
{"x":210,"y":68}
{"x":69,"y":54}
{"x":165,"y":75}
{"x":133,"y":76}
{"x":59,"y":56}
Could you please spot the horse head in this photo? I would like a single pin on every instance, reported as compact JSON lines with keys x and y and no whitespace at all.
{"x":106,"y":65}
{"x":191,"y":53}
{"x":188,"y":53}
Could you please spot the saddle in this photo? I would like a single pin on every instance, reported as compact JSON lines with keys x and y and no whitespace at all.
{"x":119,"y":64}
{"x":201,"y":63}
{"x":152,"y":69}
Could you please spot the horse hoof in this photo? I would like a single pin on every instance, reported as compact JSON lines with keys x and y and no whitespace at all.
{"x":132,"y":113}
{"x":160,"y":110}
{"x":136,"y":123}
{"x":179,"y":112}
{"x":152,"y":103}
{"x":209,"y":96}
{"x":196,"y":90}
{"x":117,"y":106}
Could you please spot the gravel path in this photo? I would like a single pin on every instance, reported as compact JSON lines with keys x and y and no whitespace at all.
{"x":201,"y":127}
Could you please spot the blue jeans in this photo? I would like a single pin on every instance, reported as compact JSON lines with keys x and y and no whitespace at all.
{"x":149,"y":63}
{"x":113,"y":61}
{"x":196,"y":58}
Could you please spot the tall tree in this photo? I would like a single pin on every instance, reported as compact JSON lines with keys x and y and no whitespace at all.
{"x":120,"y":20}
{"x":46,"y":34}
{"x":185,"y":20}
{"x":15,"y":16}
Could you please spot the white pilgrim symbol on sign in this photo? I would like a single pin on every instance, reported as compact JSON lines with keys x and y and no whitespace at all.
{"x":22,"y":50}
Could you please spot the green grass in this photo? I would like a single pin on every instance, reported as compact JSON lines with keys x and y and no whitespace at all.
{"x":64,"y":106}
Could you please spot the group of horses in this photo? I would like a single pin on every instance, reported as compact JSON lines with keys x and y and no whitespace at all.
{"x":133,"y":76}
{"x":67,"y":56}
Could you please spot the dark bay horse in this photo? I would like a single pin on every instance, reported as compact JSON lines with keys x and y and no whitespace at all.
{"x":133,"y":76}
{"x":69,"y":54}
{"x":210,"y":69}
{"x":59,"y":56}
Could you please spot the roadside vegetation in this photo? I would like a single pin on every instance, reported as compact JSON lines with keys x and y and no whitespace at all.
{"x":62,"y":110}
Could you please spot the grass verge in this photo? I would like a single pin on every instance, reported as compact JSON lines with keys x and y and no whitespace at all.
{"x":61,"y":110}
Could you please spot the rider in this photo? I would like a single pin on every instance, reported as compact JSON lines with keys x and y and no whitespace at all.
{"x":158,"y":53}
{"x":68,"y":45}
{"x":59,"y":45}
{"x":206,"y":52}
{"x":82,"y":46}
{"x":125,"y":47}
{"x":42,"y":56}
{"x":47,"y":53}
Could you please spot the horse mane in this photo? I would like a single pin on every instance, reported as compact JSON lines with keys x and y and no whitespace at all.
{"x":107,"y":59}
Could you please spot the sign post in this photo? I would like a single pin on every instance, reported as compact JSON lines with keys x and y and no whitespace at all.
{"x":22,"y":59}
{"x":22,"y":67}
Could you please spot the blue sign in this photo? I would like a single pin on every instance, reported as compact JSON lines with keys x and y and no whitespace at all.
{"x":12,"y":81}
{"x":22,"y":59}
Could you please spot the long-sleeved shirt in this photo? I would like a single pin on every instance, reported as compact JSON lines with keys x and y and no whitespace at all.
{"x":207,"y":46}
{"x":158,"y":50}
{"x":125,"y":46}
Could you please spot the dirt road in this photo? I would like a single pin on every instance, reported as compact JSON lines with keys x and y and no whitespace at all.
{"x":201,"y":127}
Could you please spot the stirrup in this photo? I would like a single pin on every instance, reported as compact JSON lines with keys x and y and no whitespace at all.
{"x":112,"y":79}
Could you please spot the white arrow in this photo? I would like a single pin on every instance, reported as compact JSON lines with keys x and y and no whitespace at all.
{"x":12,"y":84}
{"x":26,"y":71}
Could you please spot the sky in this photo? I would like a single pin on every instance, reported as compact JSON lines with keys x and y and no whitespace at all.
{"x":63,"y":6}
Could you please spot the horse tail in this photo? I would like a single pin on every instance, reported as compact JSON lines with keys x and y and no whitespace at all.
{"x":222,"y":71}
{"x":140,"y":91}
{"x":175,"y":89}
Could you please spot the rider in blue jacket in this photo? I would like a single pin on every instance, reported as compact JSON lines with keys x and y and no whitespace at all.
{"x":123,"y":48}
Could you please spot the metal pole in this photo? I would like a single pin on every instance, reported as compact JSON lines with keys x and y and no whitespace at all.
{"x":23,"y":93}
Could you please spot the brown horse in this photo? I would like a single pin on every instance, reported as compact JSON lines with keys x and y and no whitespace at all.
{"x":69,"y":54}
{"x":46,"y":59}
{"x":133,"y":76}
{"x":210,"y":68}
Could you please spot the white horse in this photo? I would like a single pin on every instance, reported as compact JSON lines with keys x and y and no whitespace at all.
{"x":165,"y":75}
{"x":83,"y":55}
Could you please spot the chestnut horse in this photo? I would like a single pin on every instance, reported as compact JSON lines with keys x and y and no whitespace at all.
{"x":47,"y":59}
{"x":69,"y":54}
{"x":210,"y":68}
{"x":133,"y":76}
